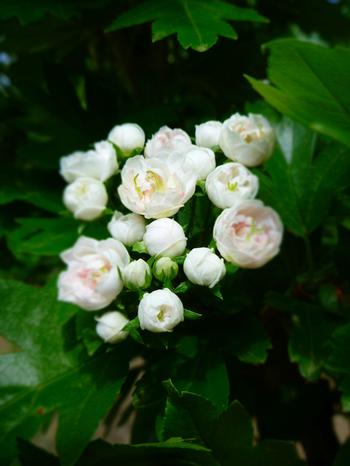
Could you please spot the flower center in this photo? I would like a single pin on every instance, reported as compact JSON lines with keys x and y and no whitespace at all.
{"x":163,"y":313}
{"x":232,"y":186}
{"x":247,"y":228}
{"x":91,"y":277}
{"x":248,"y":131}
{"x":148,"y":183}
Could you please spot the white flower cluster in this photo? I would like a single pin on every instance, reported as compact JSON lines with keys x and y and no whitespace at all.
{"x":154,"y":187}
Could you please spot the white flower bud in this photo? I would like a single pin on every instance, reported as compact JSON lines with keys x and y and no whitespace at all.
{"x":92,"y":279}
{"x":208,"y":134}
{"x":247,"y":139}
{"x":165,"y":269}
{"x":128,"y":137}
{"x":137,"y":275}
{"x":165,"y":237}
{"x":86,"y":198}
{"x":248,"y":234}
{"x":160,"y":311}
{"x":203,"y":267}
{"x":156,"y":187}
{"x":199,"y":159}
{"x":165,"y":141}
{"x":129,"y":228}
{"x":231,"y":183}
{"x":100,"y":163}
{"x":110,"y":327}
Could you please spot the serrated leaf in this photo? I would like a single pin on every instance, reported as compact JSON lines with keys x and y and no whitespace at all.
{"x":229,"y":434}
{"x":299,"y":184}
{"x":174,"y":452}
{"x":309,"y":83}
{"x":205,"y":374}
{"x":232,"y":437}
{"x":309,"y":343}
{"x":197,"y":23}
{"x":50,"y":373}
{"x":311,"y":331}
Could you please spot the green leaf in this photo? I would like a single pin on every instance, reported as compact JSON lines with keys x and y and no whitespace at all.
{"x":197,"y":23}
{"x":191,"y":315}
{"x":205,"y":374}
{"x":50,"y":373}
{"x":248,"y":340}
{"x":309,"y":343}
{"x":232,"y":437}
{"x":339,"y":358}
{"x":31,"y":192}
{"x":133,"y":327}
{"x":344,"y":387}
{"x":299,"y":184}
{"x":42,"y":236}
{"x":174,"y":452}
{"x":311,"y":332}
{"x":86,"y":331}
{"x":309,"y":83}
{"x":229,"y":434}
{"x":183,"y":287}
{"x":202,"y":412}
{"x":139,"y":247}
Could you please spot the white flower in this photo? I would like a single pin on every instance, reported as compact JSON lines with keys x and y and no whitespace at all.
{"x":137,"y":275}
{"x":231,"y":183}
{"x":156,"y":187}
{"x":110,"y":327}
{"x":92,"y":279}
{"x":86,"y":198}
{"x":128,"y":137}
{"x":160,"y":311}
{"x":199,"y":159}
{"x":165,"y":141}
{"x":165,"y":269}
{"x":128,"y":228}
{"x":165,"y":237}
{"x":100,"y":163}
{"x":203,"y":267}
{"x":208,"y":134}
{"x":247,"y":139}
{"x":248,"y":234}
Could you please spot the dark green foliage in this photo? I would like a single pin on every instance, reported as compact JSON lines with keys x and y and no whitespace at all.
{"x":274,"y":352}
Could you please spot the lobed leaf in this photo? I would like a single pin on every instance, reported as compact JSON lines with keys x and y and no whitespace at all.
{"x":197,"y":23}
{"x":309,"y":83}
{"x":49,"y":373}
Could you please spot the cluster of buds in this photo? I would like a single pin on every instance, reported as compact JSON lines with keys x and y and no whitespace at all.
{"x":153,"y":188}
